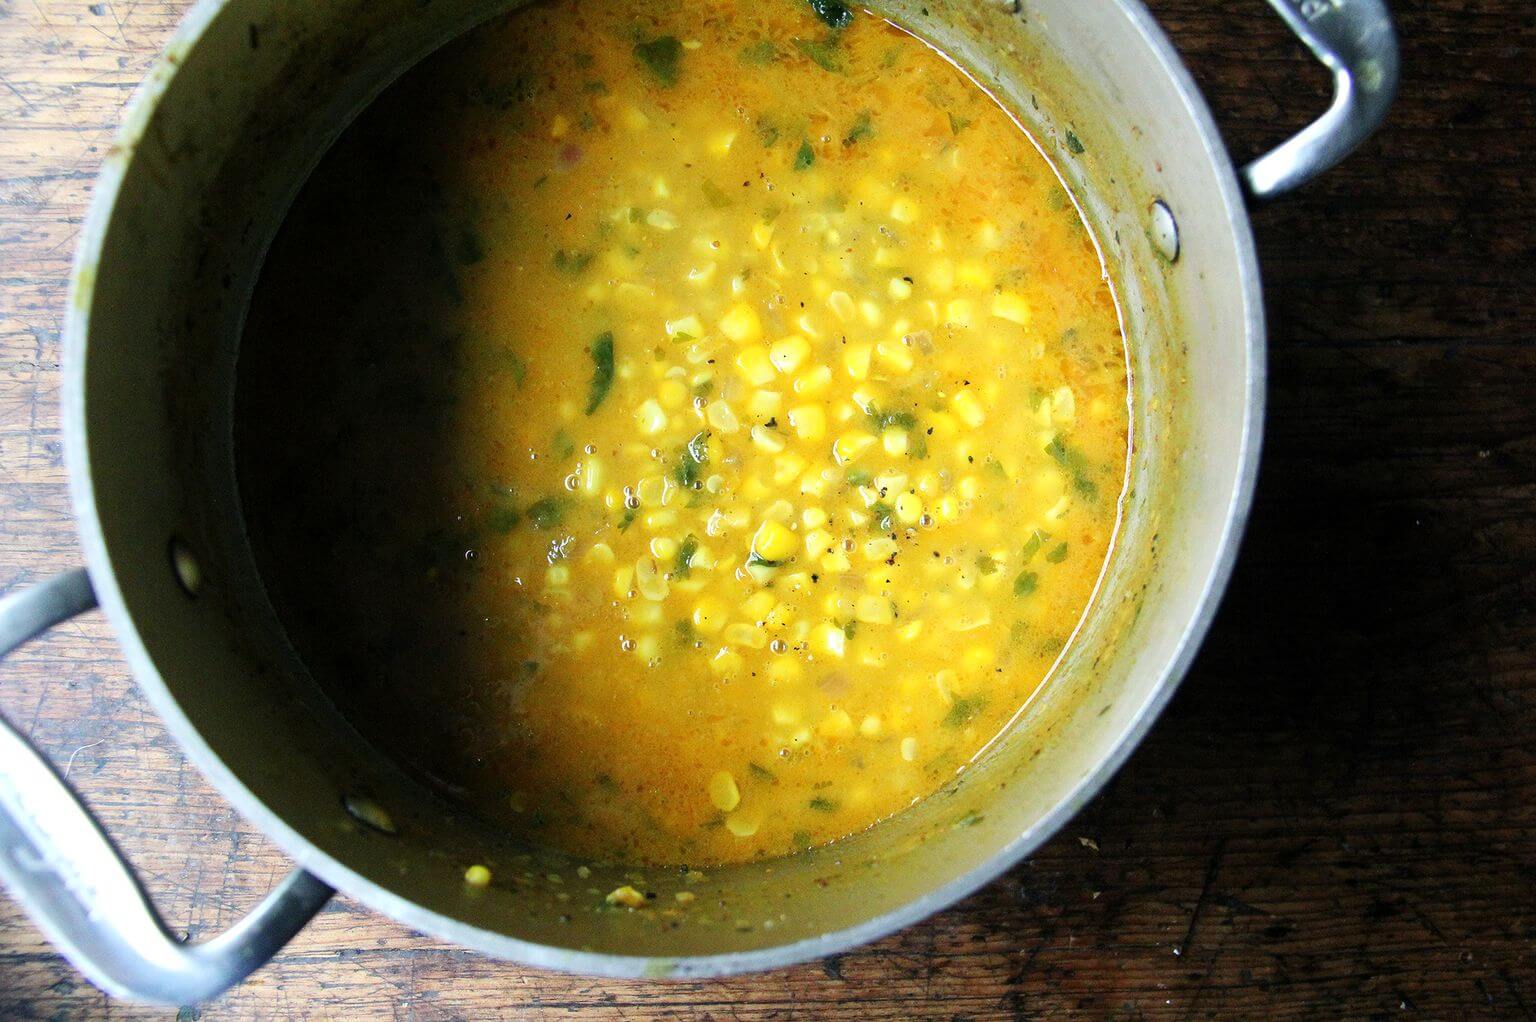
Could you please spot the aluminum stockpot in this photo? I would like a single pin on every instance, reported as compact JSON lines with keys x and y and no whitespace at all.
{"x":240,"y":107}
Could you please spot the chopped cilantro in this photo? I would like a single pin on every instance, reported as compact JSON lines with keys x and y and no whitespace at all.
{"x":661,"y":57}
{"x":1025,"y":583}
{"x":602,"y":370}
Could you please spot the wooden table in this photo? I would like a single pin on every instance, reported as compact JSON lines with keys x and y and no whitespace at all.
{"x":1337,"y":816}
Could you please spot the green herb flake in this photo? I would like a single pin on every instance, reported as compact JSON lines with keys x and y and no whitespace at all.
{"x":502,"y":520}
{"x":1074,"y":144}
{"x":850,"y":630}
{"x":602,"y":370}
{"x":716,"y":197}
{"x":957,"y":124}
{"x":1058,"y":554}
{"x":963,"y":711}
{"x":685,"y":552}
{"x":858,"y":477}
{"x":970,"y":819}
{"x":661,"y":56}
{"x":505,"y":360}
{"x":756,"y":560}
{"x":823,"y":805}
{"x":571,"y":262}
{"x":835,"y":13}
{"x":801,"y":839}
{"x":767,"y":132}
{"x":884,"y":516}
{"x":805,"y":156}
{"x":627,"y":519}
{"x":760,"y":53}
{"x":762,"y":773}
{"x":880,"y":421}
{"x":691,"y":459}
{"x":986,"y":565}
{"x":1033,"y":544}
{"x":862,"y":128}
{"x":547,"y":513}
{"x":1025,"y":583}
{"x":822,"y":52}
{"x":1077,"y":465}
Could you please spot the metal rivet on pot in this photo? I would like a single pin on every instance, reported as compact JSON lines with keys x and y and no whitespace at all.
{"x":184,"y":564}
{"x":1164,"y":231}
{"x":369,"y":813}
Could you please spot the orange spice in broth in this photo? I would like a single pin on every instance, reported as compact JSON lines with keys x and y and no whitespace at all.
{"x":685,"y":432}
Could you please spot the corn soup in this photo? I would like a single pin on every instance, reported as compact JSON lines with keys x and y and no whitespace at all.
{"x":685,"y":433}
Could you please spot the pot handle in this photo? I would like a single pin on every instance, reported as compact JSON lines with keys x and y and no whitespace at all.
{"x":1356,"y":41}
{"x":73,"y":880}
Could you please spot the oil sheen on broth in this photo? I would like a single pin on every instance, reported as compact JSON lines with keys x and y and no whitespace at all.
{"x":684,"y":432}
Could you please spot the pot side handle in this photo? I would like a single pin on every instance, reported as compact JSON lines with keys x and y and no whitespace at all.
{"x":1356,"y":41}
{"x":73,"y":880}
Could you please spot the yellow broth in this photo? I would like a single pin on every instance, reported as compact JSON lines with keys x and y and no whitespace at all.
{"x":685,"y":432}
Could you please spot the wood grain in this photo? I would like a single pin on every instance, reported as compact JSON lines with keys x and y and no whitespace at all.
{"x":1337,"y":816}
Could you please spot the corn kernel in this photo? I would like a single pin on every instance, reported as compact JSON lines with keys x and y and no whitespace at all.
{"x":909,"y":749}
{"x":903,"y":210}
{"x":709,"y":615}
{"x":773,"y":542}
{"x":828,"y":638}
{"x":600,"y":553}
{"x":726,"y":663}
{"x":894,"y":441}
{"x":782,"y":671}
{"x":673,"y":393}
{"x":788,"y":352}
{"x":900,"y":288}
{"x":719,"y":415}
{"x":813,"y":517}
{"x":649,"y":580}
{"x":968,"y":408}
{"x":974,"y":274}
{"x":766,"y":440}
{"x":745,"y":635}
{"x":724,"y":795}
{"x":809,"y":421}
{"x":741,"y":325}
{"x":1012,"y":307}
{"x":968,"y":488}
{"x":947,"y":509}
{"x":477,"y":876}
{"x":650,"y":417}
{"x":850,"y":445}
{"x":978,"y":658}
{"x":856,"y":360}
{"x":764,"y":404}
{"x":842,"y":305}
{"x":911,"y":630}
{"x":741,"y":826}
{"x":663,"y":548}
{"x":813,"y":381}
{"x":958,"y":312}
{"x":634,"y":119}
{"x":874,"y":610}
{"x":895,"y":356}
{"x":758,"y":605}
{"x":624,"y":581}
{"x":836,"y":724}
{"x":721,"y":144}
{"x":688,"y":325}
{"x":786,"y":467}
{"x":753,"y":362}
{"x":909,"y":508}
{"x":762,"y":234}
{"x":836,"y":562}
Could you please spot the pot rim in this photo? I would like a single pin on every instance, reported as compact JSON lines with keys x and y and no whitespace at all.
{"x":98,"y":560}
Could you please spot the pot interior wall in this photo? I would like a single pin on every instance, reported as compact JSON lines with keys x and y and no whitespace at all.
{"x":206,"y":179}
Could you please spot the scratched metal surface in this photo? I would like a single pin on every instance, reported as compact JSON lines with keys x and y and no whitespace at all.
{"x":1336,"y":817}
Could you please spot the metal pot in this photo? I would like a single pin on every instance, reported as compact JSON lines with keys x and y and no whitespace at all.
{"x":243,"y":102}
